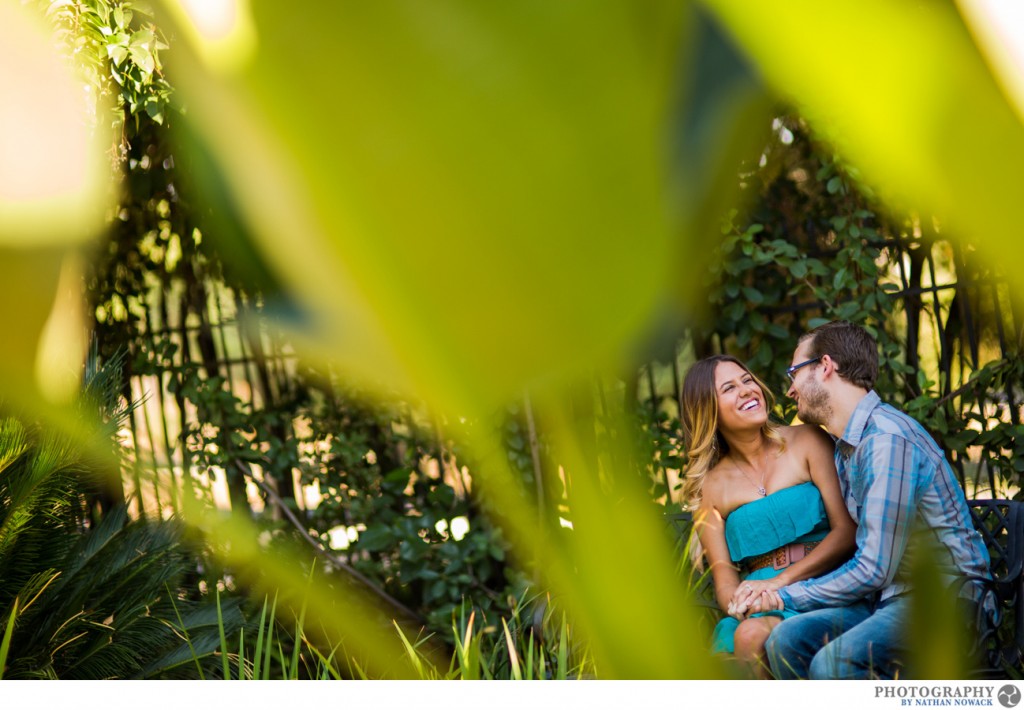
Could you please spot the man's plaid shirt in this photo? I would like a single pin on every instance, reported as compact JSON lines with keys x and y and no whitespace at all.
{"x":895,"y":480}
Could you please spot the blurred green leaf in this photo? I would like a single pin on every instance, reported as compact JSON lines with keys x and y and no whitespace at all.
{"x":938,"y":620}
{"x":919,"y":113}
{"x":118,"y":53}
{"x":54,"y":193}
{"x":491,"y":145}
{"x":485,"y":198}
{"x":143,"y":58}
{"x":376,"y":538}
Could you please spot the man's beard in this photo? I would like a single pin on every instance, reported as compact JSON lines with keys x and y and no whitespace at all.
{"x":814,"y":407}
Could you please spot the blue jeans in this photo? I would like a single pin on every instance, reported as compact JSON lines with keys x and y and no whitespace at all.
{"x":856,"y":642}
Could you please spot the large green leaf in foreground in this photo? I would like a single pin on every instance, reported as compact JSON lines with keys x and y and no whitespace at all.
{"x":464,"y":200}
{"x":54,"y":180}
{"x":907,"y":97}
{"x":467,"y":199}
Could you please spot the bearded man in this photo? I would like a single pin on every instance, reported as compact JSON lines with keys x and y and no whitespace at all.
{"x":895,"y":481}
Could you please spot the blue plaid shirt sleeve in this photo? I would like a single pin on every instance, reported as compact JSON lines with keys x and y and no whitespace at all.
{"x":884,"y":470}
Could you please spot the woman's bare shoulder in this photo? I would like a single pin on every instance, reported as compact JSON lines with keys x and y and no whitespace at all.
{"x":713,"y":483}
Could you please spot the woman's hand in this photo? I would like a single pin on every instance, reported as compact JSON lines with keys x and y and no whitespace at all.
{"x":747,"y":593}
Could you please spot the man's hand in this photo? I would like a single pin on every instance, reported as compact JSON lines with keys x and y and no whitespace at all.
{"x":750,"y":590}
{"x":768,"y":600}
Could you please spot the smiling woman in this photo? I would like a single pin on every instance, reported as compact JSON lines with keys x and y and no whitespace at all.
{"x":766,"y":497}
{"x":706,"y":401}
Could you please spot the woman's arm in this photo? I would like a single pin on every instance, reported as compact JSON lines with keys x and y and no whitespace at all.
{"x":816,"y":448}
{"x":840,"y":542}
{"x":710,"y":527}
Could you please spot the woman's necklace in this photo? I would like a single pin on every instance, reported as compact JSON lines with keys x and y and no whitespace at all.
{"x":764,"y":469}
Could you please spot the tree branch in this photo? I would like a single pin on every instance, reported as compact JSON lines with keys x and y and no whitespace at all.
{"x":322,"y":552}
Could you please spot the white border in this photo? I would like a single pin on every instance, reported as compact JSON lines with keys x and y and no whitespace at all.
{"x":500,"y":695}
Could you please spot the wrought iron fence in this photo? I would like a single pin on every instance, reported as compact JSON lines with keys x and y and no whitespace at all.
{"x":954,"y":317}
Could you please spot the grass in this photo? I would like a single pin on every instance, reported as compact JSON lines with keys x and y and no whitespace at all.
{"x":5,"y":645}
{"x":519,"y":650}
{"x":528,"y":645}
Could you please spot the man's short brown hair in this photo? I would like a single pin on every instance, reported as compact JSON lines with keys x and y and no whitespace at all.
{"x":852,"y":348}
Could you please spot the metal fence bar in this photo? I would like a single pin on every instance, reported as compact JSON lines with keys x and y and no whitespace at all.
{"x":677,"y":390}
{"x":967,"y":307}
{"x":213,"y":296}
{"x":188,"y":488}
{"x":149,"y":428}
{"x":136,"y":450}
{"x":165,"y":419}
{"x":261,"y":372}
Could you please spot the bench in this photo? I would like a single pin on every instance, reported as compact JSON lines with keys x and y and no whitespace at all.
{"x":1001,"y":524}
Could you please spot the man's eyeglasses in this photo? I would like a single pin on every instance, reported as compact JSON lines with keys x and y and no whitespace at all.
{"x":791,"y":371}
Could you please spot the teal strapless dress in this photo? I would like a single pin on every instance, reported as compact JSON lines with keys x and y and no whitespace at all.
{"x":794,"y":514}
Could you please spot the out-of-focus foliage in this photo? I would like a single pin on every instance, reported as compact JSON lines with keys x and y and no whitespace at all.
{"x":367,"y":462}
{"x":811,"y":250}
{"x":817,"y":246}
{"x":525,"y":645}
{"x":381,"y":505}
{"x":906,"y":96}
{"x":83,"y":596}
{"x":116,"y":47}
{"x":462,"y":222}
{"x":54,"y":192}
{"x":420,"y":197}
{"x":467,"y":203}
{"x":975,"y":423}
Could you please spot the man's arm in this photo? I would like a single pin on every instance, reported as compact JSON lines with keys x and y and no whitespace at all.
{"x":886,"y":470}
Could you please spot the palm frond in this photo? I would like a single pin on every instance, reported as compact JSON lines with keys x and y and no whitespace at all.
{"x":89,"y":598}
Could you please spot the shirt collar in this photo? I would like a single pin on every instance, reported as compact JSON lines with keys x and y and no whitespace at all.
{"x":859,"y":419}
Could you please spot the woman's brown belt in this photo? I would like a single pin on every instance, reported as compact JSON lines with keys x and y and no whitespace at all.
{"x":782,"y":557}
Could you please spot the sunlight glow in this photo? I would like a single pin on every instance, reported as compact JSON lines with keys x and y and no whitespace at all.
{"x":339,"y":538}
{"x":51,"y":165}
{"x":998,"y":26}
{"x":222,"y":31}
{"x":459,"y":527}
{"x":214,"y":19}
{"x":64,"y":339}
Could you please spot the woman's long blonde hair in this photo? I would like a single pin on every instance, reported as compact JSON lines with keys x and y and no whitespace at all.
{"x":705,"y":445}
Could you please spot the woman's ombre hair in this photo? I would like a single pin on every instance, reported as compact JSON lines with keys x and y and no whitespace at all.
{"x":702,"y":440}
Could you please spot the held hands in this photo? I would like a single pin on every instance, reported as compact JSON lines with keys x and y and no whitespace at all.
{"x":753,"y":597}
